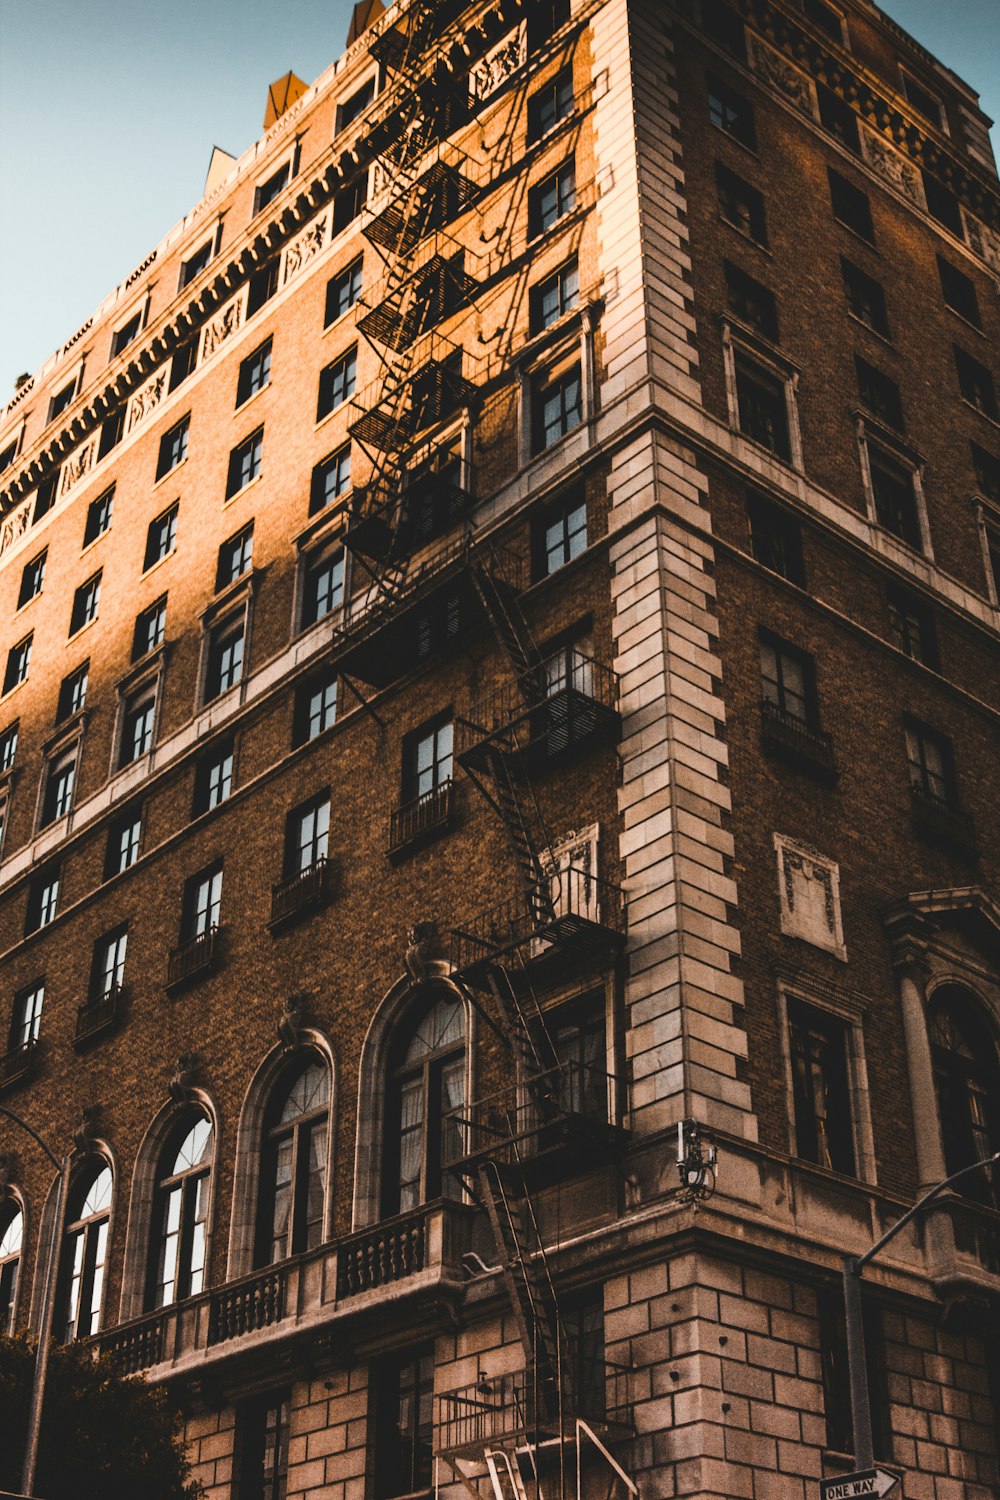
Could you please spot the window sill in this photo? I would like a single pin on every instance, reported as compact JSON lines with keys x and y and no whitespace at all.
{"x":727,"y":135}
{"x":27,"y":604}
{"x":238,"y":494}
{"x":883,"y":338}
{"x":340,"y":319}
{"x":985,"y":415}
{"x":147,"y":572}
{"x":72,"y":640}
{"x":744,"y":235}
{"x":164,"y":477}
{"x":9,"y":692}
{"x":965,"y":322}
{"x":245,"y":405}
{"x":799,"y":744}
{"x":862,"y":239}
{"x":341,"y":406}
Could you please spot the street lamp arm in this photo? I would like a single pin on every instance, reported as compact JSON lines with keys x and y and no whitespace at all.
{"x":862,"y":1260}
{"x":53,"y":1158}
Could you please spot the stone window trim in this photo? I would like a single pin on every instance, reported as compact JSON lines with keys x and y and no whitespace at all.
{"x":373,"y":1077}
{"x":792,"y":854}
{"x":297,"y":1040}
{"x":737,"y":336}
{"x":138,"y":310}
{"x":987,"y":518}
{"x":233,"y":605}
{"x":552,"y":354}
{"x":868,"y":430}
{"x":142,"y":1194}
{"x":67,"y":741}
{"x":912,"y":88}
{"x":850,"y":1011}
{"x":98,"y":1152}
{"x":146,"y":677}
{"x":314,"y":545}
{"x":289,"y":158}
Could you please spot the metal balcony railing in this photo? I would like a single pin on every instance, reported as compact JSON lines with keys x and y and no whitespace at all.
{"x":401,"y":523}
{"x":303,"y":892}
{"x":479,"y":1415}
{"x":387,"y":1252}
{"x":574,"y":1102}
{"x":248,"y":1305}
{"x":423,"y":399}
{"x":797,"y":741}
{"x":942,"y":822}
{"x":545,"y":711}
{"x":99,"y":1014}
{"x":589,"y":916}
{"x":190,"y":960}
{"x":422,"y":818}
{"x":17,"y":1062}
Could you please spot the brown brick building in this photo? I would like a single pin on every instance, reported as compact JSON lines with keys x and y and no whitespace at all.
{"x":501,"y":660}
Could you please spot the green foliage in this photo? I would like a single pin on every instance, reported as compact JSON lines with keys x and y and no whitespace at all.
{"x":105,"y":1436}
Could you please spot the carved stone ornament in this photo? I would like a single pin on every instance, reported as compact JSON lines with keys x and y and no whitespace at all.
{"x":85,"y":1134}
{"x":421,"y":941}
{"x":77,"y":465}
{"x":227,"y":321}
{"x":179,"y":1088}
{"x":983,"y":241}
{"x":147,"y":398}
{"x":290,"y":1023}
{"x":809,"y":890}
{"x":306,"y":246}
{"x":893,"y":168}
{"x":15,"y":526}
{"x":776,"y":71}
{"x":498,"y":64}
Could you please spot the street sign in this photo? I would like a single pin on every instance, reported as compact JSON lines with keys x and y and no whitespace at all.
{"x":865,"y":1482}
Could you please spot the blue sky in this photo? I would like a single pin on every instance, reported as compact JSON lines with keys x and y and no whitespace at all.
{"x":109,"y":110}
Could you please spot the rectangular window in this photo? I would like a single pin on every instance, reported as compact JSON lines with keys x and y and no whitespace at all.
{"x":348,"y":203}
{"x":730,"y":112}
{"x":751,"y":302}
{"x":556,"y":408}
{"x":740,"y":204}
{"x":342,"y":292}
{"x":72,"y":693}
{"x":261,"y":1471}
{"x":993,"y":558}
{"x":922,"y":101}
{"x":8,"y":455}
{"x":330,"y":479}
{"x":879,"y":393}
{"x":912,"y":624}
{"x":225,"y":658}
{"x":43,"y":898}
{"x":8,"y":746}
{"x":562,"y":535}
{"x":894,"y":497}
{"x":182,"y":364}
{"x":99,"y":514}
{"x":355,"y":106}
{"x":244,"y":463}
{"x":850,"y":206}
{"x":959,"y":292}
{"x":788,"y":680}
{"x":262,"y":287}
{"x":112,"y":432}
{"x":161,"y":538}
{"x":725,"y":27}
{"x":427,"y":759}
{"x":45,"y":497}
{"x":336,"y":383}
{"x":26,"y":1019}
{"x":32,"y":579}
{"x":86,"y":602}
{"x":61,"y":400}
{"x":865,"y":297}
{"x":403,"y":1424}
{"x":202,"y":903}
{"x":315,"y":707}
{"x":123,"y":336}
{"x":255,"y":373}
{"x":18,"y":662}
{"x":821,"y":1092}
{"x":195,"y":264}
{"x":138,"y":718}
{"x":776,"y":539}
{"x":59,"y":781}
{"x":987,"y":469}
{"x":931,"y":763}
{"x":235,"y":557}
{"x":557,"y":295}
{"x":976,"y":384}
{"x":551,"y":103}
{"x":150,"y":628}
{"x":267,"y":191}
{"x":307,"y":835}
{"x":763,"y":406}
{"x":551,"y":200}
{"x":826,"y":18}
{"x":836,"y":1376}
{"x":942,"y":205}
{"x":839,"y":119}
{"x":323,"y":587}
{"x":108,"y":972}
{"x":123,"y":844}
{"x":544,"y":19}
{"x":173,"y":447}
{"x":213,"y":782}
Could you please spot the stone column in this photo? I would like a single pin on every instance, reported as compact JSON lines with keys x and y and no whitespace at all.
{"x":911,"y":970}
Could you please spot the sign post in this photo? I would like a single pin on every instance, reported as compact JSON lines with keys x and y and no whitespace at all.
{"x":865,"y":1482}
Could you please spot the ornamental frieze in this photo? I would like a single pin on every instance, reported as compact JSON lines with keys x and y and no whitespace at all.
{"x":498,"y":64}
{"x":15,"y":526}
{"x":77,"y":465}
{"x":146,"y":399}
{"x":305,"y":247}
{"x":776,"y":71}
{"x":892,"y":167}
{"x":218,"y":330}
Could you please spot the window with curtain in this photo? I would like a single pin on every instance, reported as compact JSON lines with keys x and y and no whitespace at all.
{"x":967,"y":1081}
{"x":85,"y":1245}
{"x":177,"y":1250}
{"x":293,"y":1165}
{"x":424,"y":1099}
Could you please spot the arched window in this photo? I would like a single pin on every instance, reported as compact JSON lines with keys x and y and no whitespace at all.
{"x":84,"y":1250}
{"x":177,"y":1248}
{"x":293,"y":1167}
{"x":11,"y":1234}
{"x":424,"y":1100}
{"x":967,"y":1078}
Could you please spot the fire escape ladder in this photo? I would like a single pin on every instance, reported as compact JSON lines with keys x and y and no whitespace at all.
{"x":527,"y":1037}
{"x":509,"y":625}
{"x":515,"y":801}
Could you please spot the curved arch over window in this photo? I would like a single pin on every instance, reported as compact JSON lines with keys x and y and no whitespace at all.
{"x":180,"y":1212}
{"x":85,"y":1245}
{"x":11,"y":1240}
{"x":425,"y":1095}
{"x":292,"y":1191}
{"x":967,"y":1080}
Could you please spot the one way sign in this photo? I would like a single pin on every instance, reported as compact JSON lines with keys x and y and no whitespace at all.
{"x":866,"y":1482}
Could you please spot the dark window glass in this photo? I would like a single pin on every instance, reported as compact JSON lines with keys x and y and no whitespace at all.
{"x":59,"y":782}
{"x":562,"y":535}
{"x":213,"y":781}
{"x":967,"y":1084}
{"x":99,"y":513}
{"x":776,"y":539}
{"x":122,"y":337}
{"x":180,"y":1205}
{"x":427,"y":759}
{"x":244,"y":463}
{"x":195,"y":264}
{"x":267,"y":191}
{"x":436,"y":625}
{"x":355,"y":106}
{"x":850,"y":205}
{"x":18,"y":662}
{"x":235,"y":557}
{"x":879,"y":393}
{"x":976,"y":384}
{"x":987,"y":469}
{"x":173,"y":447}
{"x":725,"y":27}
{"x":161,"y":538}
{"x":342,"y":292}
{"x":61,"y":400}
{"x":150,"y":628}
{"x":557,"y":295}
{"x":731,"y":112}
{"x":307,"y":835}
{"x":839,"y":119}
{"x":107,"y":972}
{"x":183,"y":363}
{"x":323,"y":589}
{"x":330,"y":479}
{"x":292,"y":1197}
{"x":32,"y":579}
{"x":895,"y":500}
{"x":72,"y":693}
{"x":551,"y":103}
{"x":740,"y":204}
{"x":763,"y":406}
{"x":931,"y":764}
{"x":112,"y":431}
{"x":315,"y":708}
{"x":865,"y":297}
{"x":43,"y":898}
{"x":788,"y":680}
{"x":45,"y":497}
{"x":403,"y":1424}
{"x":26,"y":1017}
{"x":959,"y":291}
{"x":544,"y":19}
{"x":137,"y":727}
{"x":255,"y":373}
{"x":11,"y":1240}
{"x":348,"y":203}
{"x":550,"y":200}
{"x":8,"y":455}
{"x":202,"y":903}
{"x":836,"y":1379}
{"x":912,"y":625}
{"x":425,"y":1092}
{"x":557,"y":407}
{"x":751,"y":302}
{"x":825,"y":17}
{"x":263,"y":285}
{"x":942,"y":205}
{"x":123,"y":844}
{"x":84,"y":1253}
{"x":261,"y":1471}
{"x":225,"y":659}
{"x":8,"y":746}
{"x":336,"y":383}
{"x":922,"y":101}
{"x":86,"y":602}
{"x":820,"y":1088}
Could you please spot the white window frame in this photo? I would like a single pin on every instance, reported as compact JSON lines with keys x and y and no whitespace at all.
{"x":869,"y":430}
{"x":737,"y":338}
